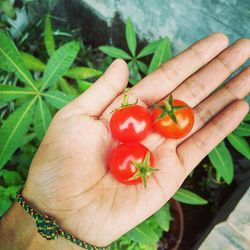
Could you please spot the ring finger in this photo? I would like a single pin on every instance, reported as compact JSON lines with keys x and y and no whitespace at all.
{"x":237,"y":88}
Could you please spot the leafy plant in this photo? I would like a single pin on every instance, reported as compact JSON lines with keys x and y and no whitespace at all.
{"x":32,"y":91}
{"x":160,"y":48}
{"x":146,"y":235}
{"x":38,"y":89}
{"x":7,"y":10}
{"x":36,"y":95}
{"x":221,"y":158}
{"x":188,"y":197}
{"x":12,"y":182}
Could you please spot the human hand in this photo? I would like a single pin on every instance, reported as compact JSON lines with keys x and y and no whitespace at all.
{"x":69,"y":178}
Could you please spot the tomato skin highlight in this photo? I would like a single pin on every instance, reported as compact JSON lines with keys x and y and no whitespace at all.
{"x":131,"y":124}
{"x":120,"y":162}
{"x":168,"y":128}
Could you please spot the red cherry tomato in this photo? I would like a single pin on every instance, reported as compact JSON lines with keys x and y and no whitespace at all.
{"x":166,"y":126}
{"x":131,"y":123}
{"x":131,"y":163}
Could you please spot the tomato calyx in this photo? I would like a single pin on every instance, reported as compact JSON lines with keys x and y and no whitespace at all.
{"x":168,"y":109}
{"x":144,"y":169}
{"x":125,"y":102}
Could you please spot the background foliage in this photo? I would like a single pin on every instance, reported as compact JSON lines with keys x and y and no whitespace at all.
{"x":33,"y":88}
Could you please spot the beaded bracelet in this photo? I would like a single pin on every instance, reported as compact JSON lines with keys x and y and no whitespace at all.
{"x":49,"y":229}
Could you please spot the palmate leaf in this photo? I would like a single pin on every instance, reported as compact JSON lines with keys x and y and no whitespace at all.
{"x":134,"y":74}
{"x":162,"y":54}
{"x":14,"y":129}
{"x":57,"y":99}
{"x":240,"y":144}
{"x":114,"y":52}
{"x":82,"y":73}
{"x":49,"y":40}
{"x":59,"y":63}
{"x":149,"y":49}
{"x":11,"y":60}
{"x":35,"y":64}
{"x":131,"y":36}
{"x":9,"y":93}
{"x":222,"y":161}
{"x":32,"y":63}
{"x":142,"y":67}
{"x":42,"y":118}
{"x":188,"y":197}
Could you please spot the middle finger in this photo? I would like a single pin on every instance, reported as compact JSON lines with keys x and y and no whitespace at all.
{"x":169,"y":75}
{"x":206,"y":80}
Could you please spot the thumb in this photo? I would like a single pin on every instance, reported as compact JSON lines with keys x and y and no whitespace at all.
{"x":112,"y":83}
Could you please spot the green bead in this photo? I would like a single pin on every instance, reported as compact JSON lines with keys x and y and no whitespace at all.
{"x":47,"y":228}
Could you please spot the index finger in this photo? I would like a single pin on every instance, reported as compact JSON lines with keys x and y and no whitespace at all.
{"x":169,"y":75}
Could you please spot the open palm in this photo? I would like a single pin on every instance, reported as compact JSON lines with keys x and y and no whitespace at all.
{"x":69,"y":177}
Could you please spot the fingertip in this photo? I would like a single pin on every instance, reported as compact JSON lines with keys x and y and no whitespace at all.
{"x":122,"y":65}
{"x":238,"y":109}
{"x":222,"y":37}
{"x":245,"y":106}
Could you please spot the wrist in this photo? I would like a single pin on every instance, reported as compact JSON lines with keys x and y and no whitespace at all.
{"x":18,"y":231}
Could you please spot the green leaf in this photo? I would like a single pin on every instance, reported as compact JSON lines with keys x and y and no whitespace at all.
{"x":57,"y":99}
{"x":32,"y":63}
{"x":242,"y":130}
{"x":27,"y":138}
{"x":7,"y":7}
{"x":143,"y":234}
{"x":5,"y":204}
{"x":115,"y":52}
{"x":240,"y":144}
{"x":247,"y":117}
{"x":42,"y":118}
{"x":59,"y":63}
{"x":142,"y":67}
{"x":162,"y":217}
{"x":135,"y":76}
{"x":147,"y":247}
{"x":82,"y":73}
{"x":131,"y":36}
{"x":49,"y":40}
{"x":162,"y":54}
{"x":67,"y":88}
{"x":133,"y":81}
{"x":11,"y":60}
{"x":222,"y":161}
{"x":83,"y":85}
{"x":188,"y":197}
{"x":14,"y":129}
{"x":11,"y":178}
{"x":9,"y":93}
{"x":130,"y":65}
{"x":149,"y":49}
{"x":12,"y":191}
